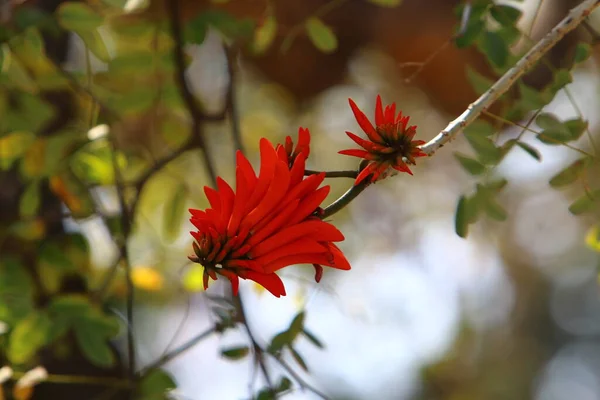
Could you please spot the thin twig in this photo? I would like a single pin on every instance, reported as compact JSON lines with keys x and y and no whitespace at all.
{"x":346,"y":198}
{"x":177,"y":351}
{"x":197,"y":116}
{"x":259,"y":353}
{"x":576,"y":16}
{"x":231,"y":101}
{"x":333,"y":174}
{"x":303,"y":384}
{"x":123,"y":255}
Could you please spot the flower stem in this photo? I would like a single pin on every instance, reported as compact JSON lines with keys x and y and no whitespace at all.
{"x":345,"y":199}
{"x":333,"y":174}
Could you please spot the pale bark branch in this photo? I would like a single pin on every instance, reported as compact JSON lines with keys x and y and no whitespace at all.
{"x":575,"y":17}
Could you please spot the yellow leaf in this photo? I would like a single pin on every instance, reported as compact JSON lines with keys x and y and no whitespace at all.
{"x":60,"y":188}
{"x":592,"y":238}
{"x":147,"y":278}
{"x":193,"y":278}
{"x":13,"y":146}
{"x":34,"y":160}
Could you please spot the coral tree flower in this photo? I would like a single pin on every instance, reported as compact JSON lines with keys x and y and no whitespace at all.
{"x":390,"y":142}
{"x":268,"y":223}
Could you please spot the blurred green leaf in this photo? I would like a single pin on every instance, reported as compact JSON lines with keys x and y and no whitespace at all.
{"x":530,"y":150}
{"x":279,"y":341}
{"x":494,"y":210}
{"x":95,"y":44}
{"x":299,"y":359}
{"x":26,"y":17}
{"x":582,"y":52}
{"x":174,"y":211}
{"x":284,"y":385}
{"x":479,"y":128}
{"x":576,"y":127}
{"x":386,"y":3}
{"x":13,"y":146}
{"x":27,"y":337}
{"x":570,"y":174}
{"x":94,"y":346}
{"x":297,"y":325}
{"x":461,"y":219}
{"x":236,"y":353}
{"x":495,"y":48}
{"x":585,"y":203}
{"x":313,"y":339}
{"x":71,"y":307}
{"x":28,"y":113}
{"x":478,"y":82}
{"x":155,"y":385}
{"x":560,"y":79}
{"x":54,"y":257}
{"x":472,"y":166}
{"x":227,"y":24}
{"x":532,"y":99}
{"x":554,"y":131}
{"x":473,"y":32}
{"x":321,"y":35}
{"x":264,"y":35}
{"x":16,"y":290}
{"x":505,"y":15}
{"x":78,"y":17}
{"x":486,"y":149}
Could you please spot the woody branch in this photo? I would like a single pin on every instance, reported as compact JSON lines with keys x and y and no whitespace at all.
{"x":575,"y":17}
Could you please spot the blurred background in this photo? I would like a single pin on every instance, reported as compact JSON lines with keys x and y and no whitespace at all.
{"x":510,"y":312}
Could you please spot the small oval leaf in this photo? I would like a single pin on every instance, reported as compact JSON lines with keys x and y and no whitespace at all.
{"x":321,"y":35}
{"x":236,"y":353}
{"x":569,"y":174}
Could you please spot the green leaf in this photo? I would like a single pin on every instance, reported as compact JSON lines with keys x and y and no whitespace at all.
{"x":532,"y":99}
{"x":582,"y":52}
{"x":461,"y":218}
{"x":554,"y":131}
{"x":313,"y":339}
{"x":386,"y":3}
{"x":27,"y":337}
{"x":494,"y":210}
{"x":505,"y":15}
{"x":227,"y":24}
{"x":16,"y":295}
{"x":570,"y":174}
{"x":472,"y":166}
{"x":13,"y":146}
{"x":78,"y":17}
{"x":264,"y":35}
{"x":299,"y":359}
{"x":284,"y":385}
{"x":495,"y":48}
{"x":548,"y":121}
{"x":478,"y":82}
{"x":72,"y":307}
{"x":95,"y":44}
{"x":279,"y":341}
{"x":576,"y":127}
{"x":497,"y":185}
{"x":321,"y":35}
{"x":174,"y":211}
{"x":561,"y":78}
{"x":236,"y":353}
{"x":296,"y":326}
{"x":585,"y":203}
{"x":471,"y":34}
{"x":530,"y":150}
{"x":479,"y":128}
{"x":486,"y":149}
{"x":94,"y":345}
{"x":155,"y":385}
{"x":52,"y":256}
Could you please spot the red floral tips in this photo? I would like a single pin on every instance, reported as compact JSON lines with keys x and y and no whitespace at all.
{"x":268,"y":223}
{"x":390,"y":142}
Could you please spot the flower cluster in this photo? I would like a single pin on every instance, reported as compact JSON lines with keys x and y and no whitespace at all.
{"x":268,"y":223}
{"x":273,"y":220}
{"x":390,"y":142}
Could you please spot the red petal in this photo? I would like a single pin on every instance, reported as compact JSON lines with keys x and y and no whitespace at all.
{"x":305,"y":187}
{"x":402,"y":167}
{"x":205,"y":279}
{"x":339,"y":260}
{"x":227,"y":200}
{"x":356,"y":153}
{"x":283,"y":156}
{"x":246,"y":168}
{"x":303,"y":146}
{"x":300,"y":246}
{"x":309,"y":204}
{"x":307,"y":258}
{"x":390,"y":114}
{"x":284,"y":237}
{"x":233,"y":278}
{"x":242,"y":191}
{"x":213,"y":198}
{"x":281,"y":219}
{"x":318,"y":272}
{"x":368,"y":170}
{"x":297,"y":171}
{"x":364,"y":122}
{"x":379,"y":120}
{"x":277,"y":189}
{"x":271,"y":282}
{"x":268,"y":162}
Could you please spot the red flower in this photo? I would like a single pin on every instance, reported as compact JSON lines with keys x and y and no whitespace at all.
{"x":268,"y":223}
{"x":390,"y":142}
